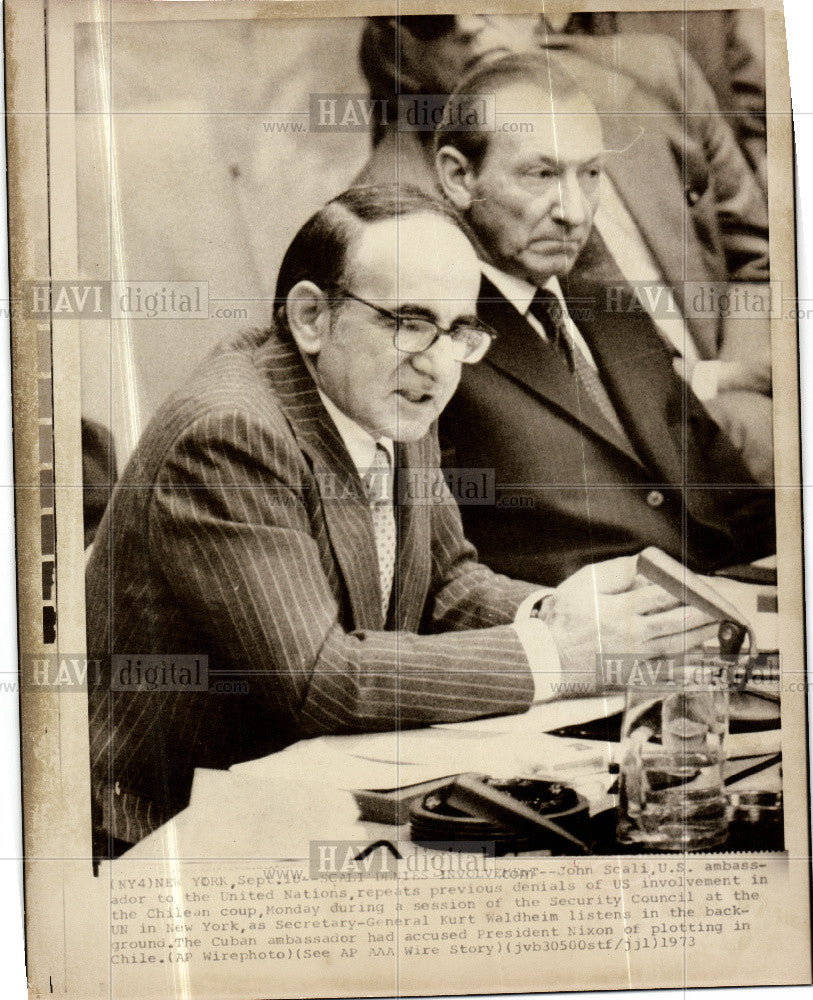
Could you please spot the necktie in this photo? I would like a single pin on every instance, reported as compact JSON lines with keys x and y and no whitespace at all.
{"x":547,"y":308}
{"x":378,"y":487}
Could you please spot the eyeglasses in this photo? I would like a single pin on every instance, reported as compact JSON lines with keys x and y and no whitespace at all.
{"x":415,"y":334}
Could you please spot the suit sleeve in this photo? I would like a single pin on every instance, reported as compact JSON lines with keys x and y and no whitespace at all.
{"x":465,"y":593}
{"x":741,"y":208}
{"x":234,"y":525}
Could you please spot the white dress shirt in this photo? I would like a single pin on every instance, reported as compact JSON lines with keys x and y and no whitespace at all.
{"x":520,"y":294}
{"x":360,"y":444}
{"x":537,"y":642}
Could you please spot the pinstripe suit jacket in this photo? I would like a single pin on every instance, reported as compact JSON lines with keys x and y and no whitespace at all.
{"x":239,"y":531}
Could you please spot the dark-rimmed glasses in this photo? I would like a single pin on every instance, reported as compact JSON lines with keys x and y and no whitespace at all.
{"x":415,"y":334}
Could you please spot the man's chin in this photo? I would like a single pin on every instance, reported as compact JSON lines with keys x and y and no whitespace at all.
{"x":551,"y":260}
{"x":411,"y":428}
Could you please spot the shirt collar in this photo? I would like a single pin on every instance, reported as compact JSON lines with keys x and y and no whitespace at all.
{"x":359,"y":443}
{"x":518,"y":291}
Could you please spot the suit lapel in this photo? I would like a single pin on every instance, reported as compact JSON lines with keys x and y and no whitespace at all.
{"x":669,"y":426}
{"x":412,"y":578}
{"x":636,"y":368}
{"x":522,"y":354}
{"x":344,"y":504}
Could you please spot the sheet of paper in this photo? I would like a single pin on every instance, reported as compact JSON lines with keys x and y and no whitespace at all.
{"x":345,"y":768}
{"x":543,"y":717}
{"x":268,"y":816}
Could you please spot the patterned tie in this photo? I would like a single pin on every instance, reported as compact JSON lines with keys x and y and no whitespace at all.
{"x":378,"y":487}
{"x":547,"y":308}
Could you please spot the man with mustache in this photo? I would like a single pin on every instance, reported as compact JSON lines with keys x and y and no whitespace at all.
{"x":257,"y":525}
{"x":600,"y":447}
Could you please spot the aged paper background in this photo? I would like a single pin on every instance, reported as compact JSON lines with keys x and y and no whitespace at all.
{"x":72,"y":741}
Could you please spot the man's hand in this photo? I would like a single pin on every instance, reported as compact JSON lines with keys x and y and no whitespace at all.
{"x":709,"y":379}
{"x":608,"y":608}
{"x":741,"y":377}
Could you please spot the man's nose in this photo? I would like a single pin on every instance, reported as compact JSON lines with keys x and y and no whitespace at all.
{"x":570,"y":207}
{"x":437,"y":361}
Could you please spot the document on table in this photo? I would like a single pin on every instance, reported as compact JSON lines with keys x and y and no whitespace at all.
{"x":510,"y":746}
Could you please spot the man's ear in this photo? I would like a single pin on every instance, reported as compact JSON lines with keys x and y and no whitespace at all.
{"x":306,"y":309}
{"x":456,"y":176}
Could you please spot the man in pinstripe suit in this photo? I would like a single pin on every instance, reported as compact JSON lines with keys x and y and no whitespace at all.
{"x":241,"y":531}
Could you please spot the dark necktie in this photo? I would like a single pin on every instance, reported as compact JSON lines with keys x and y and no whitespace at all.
{"x":547,"y":309}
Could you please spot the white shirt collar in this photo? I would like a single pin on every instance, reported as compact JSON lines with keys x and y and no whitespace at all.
{"x":520,"y":294}
{"x":518,"y":291}
{"x":359,"y":443}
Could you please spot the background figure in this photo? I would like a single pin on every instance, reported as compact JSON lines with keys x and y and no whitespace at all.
{"x":428,"y":53}
{"x":599,"y":446}
{"x":729,"y":47}
{"x":680,"y":203}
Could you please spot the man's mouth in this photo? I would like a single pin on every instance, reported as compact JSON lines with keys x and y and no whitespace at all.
{"x":565,"y":245}
{"x":414,"y":396}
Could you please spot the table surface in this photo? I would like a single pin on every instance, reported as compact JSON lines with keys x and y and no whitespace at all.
{"x":274,"y":806}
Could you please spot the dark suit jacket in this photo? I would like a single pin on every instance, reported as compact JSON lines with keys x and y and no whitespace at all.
{"x":569,"y":489}
{"x":239,"y":531}
{"x":98,"y":474}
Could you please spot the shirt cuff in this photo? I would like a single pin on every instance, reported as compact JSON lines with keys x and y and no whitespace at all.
{"x":706,"y":379}
{"x":539,"y":647}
